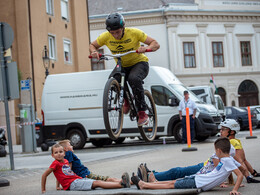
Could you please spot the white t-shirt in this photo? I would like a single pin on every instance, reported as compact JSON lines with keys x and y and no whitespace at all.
{"x":219,"y":174}
{"x":209,"y":164}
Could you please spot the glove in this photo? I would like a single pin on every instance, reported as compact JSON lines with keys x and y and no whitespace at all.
{"x":250,"y":179}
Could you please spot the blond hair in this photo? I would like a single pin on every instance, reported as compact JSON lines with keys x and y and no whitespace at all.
{"x":63,"y":143}
{"x":55,"y":146}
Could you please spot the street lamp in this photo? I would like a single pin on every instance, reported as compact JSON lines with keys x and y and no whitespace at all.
{"x":46,"y":60}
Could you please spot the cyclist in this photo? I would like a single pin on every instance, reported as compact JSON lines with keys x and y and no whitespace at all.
{"x":120,"y":39}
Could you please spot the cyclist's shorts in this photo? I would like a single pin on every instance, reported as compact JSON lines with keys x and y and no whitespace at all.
{"x":97,"y":177}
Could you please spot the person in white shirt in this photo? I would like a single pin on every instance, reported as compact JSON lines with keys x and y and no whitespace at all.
{"x":186,"y":102}
{"x":205,"y":181}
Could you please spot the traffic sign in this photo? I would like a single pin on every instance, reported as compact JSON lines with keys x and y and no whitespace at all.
{"x":8,"y":35}
{"x":25,"y":85}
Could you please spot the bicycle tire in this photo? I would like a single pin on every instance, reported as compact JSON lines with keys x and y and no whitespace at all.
{"x":113,"y":115}
{"x":148,"y":132}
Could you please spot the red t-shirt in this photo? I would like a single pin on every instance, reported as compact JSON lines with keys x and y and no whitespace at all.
{"x":63,"y":173}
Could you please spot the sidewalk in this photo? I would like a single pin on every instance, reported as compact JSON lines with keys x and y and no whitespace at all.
{"x":132,"y":190}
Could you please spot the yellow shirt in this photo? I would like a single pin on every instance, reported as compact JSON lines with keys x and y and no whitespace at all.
{"x":130,"y":41}
{"x":236,"y":143}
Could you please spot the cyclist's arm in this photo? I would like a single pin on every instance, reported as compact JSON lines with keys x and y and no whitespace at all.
{"x":151,"y":44}
{"x":93,"y":49}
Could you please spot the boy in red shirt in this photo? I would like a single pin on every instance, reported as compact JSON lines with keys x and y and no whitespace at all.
{"x":70,"y":181}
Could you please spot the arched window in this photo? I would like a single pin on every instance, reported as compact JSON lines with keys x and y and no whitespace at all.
{"x":248,"y":92}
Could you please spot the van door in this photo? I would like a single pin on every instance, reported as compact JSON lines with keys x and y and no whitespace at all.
{"x":161,"y":96}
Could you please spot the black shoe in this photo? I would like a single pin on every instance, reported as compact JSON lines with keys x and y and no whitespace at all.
{"x":249,"y":179}
{"x":255,"y":174}
{"x":139,"y":172}
{"x":135,"y":179}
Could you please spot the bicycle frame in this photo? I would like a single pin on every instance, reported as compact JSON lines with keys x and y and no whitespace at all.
{"x":124,"y":88}
{"x":124,"y":85}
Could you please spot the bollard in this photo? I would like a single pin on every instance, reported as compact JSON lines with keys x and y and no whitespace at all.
{"x":188,"y":134}
{"x":250,"y":125}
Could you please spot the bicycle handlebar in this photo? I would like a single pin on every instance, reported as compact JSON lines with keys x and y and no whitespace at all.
{"x":120,"y":55}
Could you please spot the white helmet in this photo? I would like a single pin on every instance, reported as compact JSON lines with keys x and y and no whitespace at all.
{"x":231,"y":124}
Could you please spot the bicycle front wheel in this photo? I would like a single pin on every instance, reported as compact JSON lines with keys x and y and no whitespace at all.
{"x":148,"y":132}
{"x":112,"y":112}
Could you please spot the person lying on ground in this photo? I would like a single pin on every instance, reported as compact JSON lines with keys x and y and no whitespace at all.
{"x":229,"y":129}
{"x":206,"y":181}
{"x":70,"y":181}
{"x":180,"y":172}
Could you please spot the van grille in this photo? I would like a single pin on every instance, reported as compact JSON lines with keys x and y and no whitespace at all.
{"x":217,"y":119}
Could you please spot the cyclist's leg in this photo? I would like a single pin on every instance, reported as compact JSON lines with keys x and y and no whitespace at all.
{"x":135,"y":76}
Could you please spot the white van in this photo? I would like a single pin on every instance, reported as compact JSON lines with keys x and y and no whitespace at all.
{"x":72,"y":108}
{"x":219,"y":104}
{"x":205,"y":93}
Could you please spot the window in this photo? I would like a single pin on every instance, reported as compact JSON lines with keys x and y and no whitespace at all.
{"x":218,"y":58}
{"x":64,"y":9}
{"x":161,"y":95}
{"x":245,"y":53}
{"x":67,"y":51}
{"x":52,"y":47}
{"x":228,"y":111}
{"x":49,"y":7}
{"x":189,"y":55}
{"x":98,"y":65}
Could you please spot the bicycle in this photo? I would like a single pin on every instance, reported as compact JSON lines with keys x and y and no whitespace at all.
{"x":113,"y":100}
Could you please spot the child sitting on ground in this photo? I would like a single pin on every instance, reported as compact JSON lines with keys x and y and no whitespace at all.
{"x":206,"y":181}
{"x":77,"y":167}
{"x":70,"y":181}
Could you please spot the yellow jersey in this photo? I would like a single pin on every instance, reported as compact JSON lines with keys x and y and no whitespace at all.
{"x":130,"y":41}
{"x":236,"y":143}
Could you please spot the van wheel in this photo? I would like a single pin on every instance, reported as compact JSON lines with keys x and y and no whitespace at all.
{"x":177,"y":132}
{"x":101,"y":142}
{"x":77,"y":139}
{"x":120,"y":140}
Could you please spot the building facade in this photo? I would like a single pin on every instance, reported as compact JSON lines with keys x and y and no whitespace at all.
{"x":201,"y":40}
{"x":61,"y":26}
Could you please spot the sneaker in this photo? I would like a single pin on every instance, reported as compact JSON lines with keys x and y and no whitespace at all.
{"x":125,"y":180}
{"x":143,"y":118}
{"x":250,"y":179}
{"x":142,"y":173}
{"x":126,"y":107}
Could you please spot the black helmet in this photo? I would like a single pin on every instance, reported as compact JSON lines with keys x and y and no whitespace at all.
{"x":114,"y":21}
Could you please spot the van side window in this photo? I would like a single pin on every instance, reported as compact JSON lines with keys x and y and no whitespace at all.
{"x":161,"y":95}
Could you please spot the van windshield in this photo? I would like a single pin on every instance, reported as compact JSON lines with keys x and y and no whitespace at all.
{"x":220,"y":104}
{"x":179,"y":89}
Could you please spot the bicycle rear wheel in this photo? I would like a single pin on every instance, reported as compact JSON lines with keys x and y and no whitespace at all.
{"x":112,"y":112}
{"x":148,"y":132}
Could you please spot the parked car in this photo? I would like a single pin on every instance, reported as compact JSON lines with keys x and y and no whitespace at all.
{"x":256,"y":110}
{"x":241,"y":116}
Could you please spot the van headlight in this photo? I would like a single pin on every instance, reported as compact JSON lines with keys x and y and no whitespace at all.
{"x":202,"y":110}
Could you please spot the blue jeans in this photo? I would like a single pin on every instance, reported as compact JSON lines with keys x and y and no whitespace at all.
{"x":178,"y":172}
{"x":184,"y":134}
